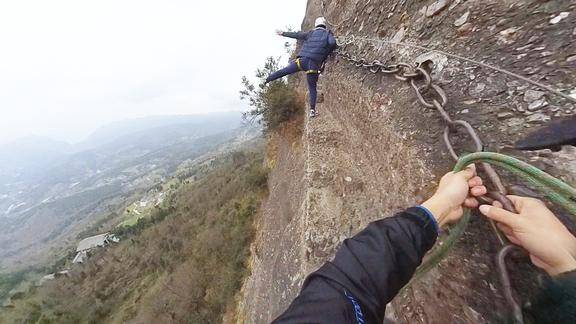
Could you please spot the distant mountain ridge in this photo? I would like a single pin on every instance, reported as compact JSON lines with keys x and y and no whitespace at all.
{"x":30,"y":151}
{"x":35,"y":153}
{"x":113,"y":131}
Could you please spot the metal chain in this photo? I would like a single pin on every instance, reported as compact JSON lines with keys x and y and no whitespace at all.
{"x":431,"y":95}
{"x":437,"y":99}
{"x":380,"y":42}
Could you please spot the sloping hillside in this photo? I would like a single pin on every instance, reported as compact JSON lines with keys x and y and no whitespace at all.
{"x":184,"y":264}
{"x":375,"y":149}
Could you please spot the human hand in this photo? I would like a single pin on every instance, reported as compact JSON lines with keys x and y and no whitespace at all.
{"x":455,"y":191}
{"x":535,"y":228}
{"x":279,"y":32}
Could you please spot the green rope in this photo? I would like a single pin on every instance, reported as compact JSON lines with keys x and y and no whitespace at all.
{"x":553,"y":188}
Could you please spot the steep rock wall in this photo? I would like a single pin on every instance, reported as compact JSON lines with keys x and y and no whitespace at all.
{"x":375,"y":150}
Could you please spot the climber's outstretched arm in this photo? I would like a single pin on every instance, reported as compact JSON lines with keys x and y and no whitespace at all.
{"x":370,"y":268}
{"x":366,"y":273}
{"x":296,"y":35}
{"x":332,"y":42}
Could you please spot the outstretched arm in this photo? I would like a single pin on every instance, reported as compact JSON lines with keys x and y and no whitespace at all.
{"x":296,"y":35}
{"x":367,"y":272}
{"x":370,"y":268}
{"x":332,"y":42}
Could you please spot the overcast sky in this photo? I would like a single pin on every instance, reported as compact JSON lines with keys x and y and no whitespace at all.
{"x":69,"y":66}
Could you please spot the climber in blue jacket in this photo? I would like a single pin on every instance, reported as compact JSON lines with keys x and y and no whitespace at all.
{"x":318,"y":45}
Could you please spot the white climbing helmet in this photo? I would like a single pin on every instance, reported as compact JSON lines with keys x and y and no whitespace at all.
{"x":320,"y":21}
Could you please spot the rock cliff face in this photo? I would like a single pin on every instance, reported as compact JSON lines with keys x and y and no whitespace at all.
{"x":375,"y":150}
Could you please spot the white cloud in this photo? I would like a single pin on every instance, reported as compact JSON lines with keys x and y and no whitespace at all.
{"x":68,"y":66}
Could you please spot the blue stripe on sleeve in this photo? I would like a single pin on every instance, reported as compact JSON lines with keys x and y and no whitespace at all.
{"x":432,"y":218}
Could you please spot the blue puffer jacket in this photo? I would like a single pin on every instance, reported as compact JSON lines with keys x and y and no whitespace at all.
{"x":318,"y":43}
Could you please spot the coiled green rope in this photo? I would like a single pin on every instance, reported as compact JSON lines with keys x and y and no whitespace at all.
{"x":555,"y":189}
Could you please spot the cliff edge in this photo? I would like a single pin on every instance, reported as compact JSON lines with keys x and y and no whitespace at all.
{"x":375,"y":149}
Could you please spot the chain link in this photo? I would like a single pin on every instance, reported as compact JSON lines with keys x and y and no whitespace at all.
{"x":431,"y":95}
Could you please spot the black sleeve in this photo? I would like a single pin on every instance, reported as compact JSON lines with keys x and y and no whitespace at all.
{"x":332,"y":42}
{"x":367,"y":272}
{"x":297,"y":35}
{"x":557,"y":302}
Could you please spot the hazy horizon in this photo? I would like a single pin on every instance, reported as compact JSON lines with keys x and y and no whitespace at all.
{"x":70,"y":67}
{"x":107,"y":124}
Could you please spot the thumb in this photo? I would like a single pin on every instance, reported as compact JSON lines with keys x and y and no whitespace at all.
{"x":500,"y":215}
{"x":469,"y":172}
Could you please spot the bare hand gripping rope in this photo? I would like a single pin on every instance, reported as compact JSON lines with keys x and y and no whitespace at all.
{"x":555,"y":189}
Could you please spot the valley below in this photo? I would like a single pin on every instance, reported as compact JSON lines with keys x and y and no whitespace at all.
{"x":51,"y":198}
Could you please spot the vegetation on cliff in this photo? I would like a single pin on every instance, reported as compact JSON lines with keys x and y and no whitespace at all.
{"x":272,"y":103}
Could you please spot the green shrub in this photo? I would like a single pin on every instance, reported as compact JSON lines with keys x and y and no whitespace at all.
{"x":273,"y":103}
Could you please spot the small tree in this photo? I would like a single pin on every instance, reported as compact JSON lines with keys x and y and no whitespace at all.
{"x":271,"y":103}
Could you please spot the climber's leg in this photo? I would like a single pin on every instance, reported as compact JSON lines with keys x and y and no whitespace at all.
{"x":312,"y":79}
{"x":312,"y":73}
{"x":290,"y":69}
